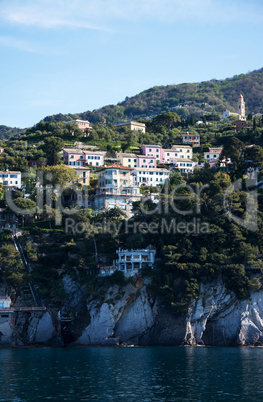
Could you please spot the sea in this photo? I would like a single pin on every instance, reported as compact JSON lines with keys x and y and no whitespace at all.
{"x":132,"y":374}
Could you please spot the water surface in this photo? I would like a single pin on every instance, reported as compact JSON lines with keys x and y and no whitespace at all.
{"x":132,"y":374}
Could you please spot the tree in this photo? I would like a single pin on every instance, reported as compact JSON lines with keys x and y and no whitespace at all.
{"x":169,"y":120}
{"x":52,"y":145}
{"x":59,"y":175}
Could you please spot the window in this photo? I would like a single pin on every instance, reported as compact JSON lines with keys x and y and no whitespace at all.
{"x":81,"y":157}
{"x":13,"y":176}
{"x":157,"y":150}
{"x":150,"y":150}
{"x":168,"y":154}
{"x":129,"y":160}
{"x":144,"y":160}
{"x":72,"y":156}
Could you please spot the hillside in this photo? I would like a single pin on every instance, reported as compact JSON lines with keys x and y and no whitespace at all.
{"x":194,"y":98}
{"x":7,"y":132}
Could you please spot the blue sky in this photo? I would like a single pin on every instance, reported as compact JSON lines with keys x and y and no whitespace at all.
{"x":69,"y":56}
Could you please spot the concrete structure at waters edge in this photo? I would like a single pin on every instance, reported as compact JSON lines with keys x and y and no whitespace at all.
{"x":10,"y":179}
{"x":131,"y":261}
{"x":133,"y":160}
{"x":116,"y":189}
{"x":77,"y":157}
{"x":150,"y":177}
{"x":191,"y":139}
{"x":132,"y":125}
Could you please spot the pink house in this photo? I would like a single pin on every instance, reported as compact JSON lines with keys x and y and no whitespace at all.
{"x":82,"y":124}
{"x":146,"y":161}
{"x":152,"y":150}
{"x":76,"y":157}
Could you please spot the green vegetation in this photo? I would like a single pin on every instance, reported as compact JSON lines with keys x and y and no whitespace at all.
{"x":197,"y":98}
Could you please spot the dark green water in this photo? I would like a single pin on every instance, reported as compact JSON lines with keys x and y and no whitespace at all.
{"x":132,"y":374}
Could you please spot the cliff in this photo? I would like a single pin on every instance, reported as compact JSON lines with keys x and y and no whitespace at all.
{"x":215,"y":318}
{"x":130,"y":315}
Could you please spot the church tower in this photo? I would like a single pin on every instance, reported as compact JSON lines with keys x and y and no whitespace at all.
{"x":241,"y":108}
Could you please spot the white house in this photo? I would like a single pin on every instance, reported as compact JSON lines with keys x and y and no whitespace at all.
{"x":213,"y":154}
{"x":10,"y":179}
{"x":150,"y":177}
{"x":116,"y":189}
{"x":5,"y":302}
{"x":131,"y":261}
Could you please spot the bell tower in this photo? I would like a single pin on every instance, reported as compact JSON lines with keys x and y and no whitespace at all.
{"x":241,"y":108}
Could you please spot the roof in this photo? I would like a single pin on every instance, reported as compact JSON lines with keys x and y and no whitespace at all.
{"x":9,"y":171}
{"x":153,"y":146}
{"x":135,"y":123}
{"x":115,"y":167}
{"x":178,"y":146}
{"x":152,"y":169}
{"x":72,"y":121}
{"x":73,"y":151}
{"x":127,"y":155}
{"x":79,"y":167}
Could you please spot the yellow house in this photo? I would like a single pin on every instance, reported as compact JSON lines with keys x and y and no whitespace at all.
{"x":132,"y":125}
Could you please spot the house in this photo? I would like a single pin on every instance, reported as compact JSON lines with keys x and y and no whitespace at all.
{"x":10,"y":179}
{"x":213,"y":154}
{"x":83,"y":174}
{"x":227,"y":113}
{"x":94,"y":158}
{"x":176,"y":153}
{"x":165,"y":156}
{"x":5,"y":302}
{"x":184,"y":166}
{"x":107,"y":270}
{"x":33,"y":163}
{"x":240,"y":124}
{"x":133,"y":160}
{"x":83,"y":125}
{"x":77,"y":157}
{"x":2,"y":150}
{"x":74,"y":157}
{"x":116,"y":189}
{"x":191,"y":139}
{"x":131,"y":261}
{"x":152,"y":150}
{"x":132,"y":125}
{"x":150,"y":177}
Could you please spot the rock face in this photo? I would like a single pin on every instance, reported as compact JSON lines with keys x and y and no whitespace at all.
{"x":26,"y":329}
{"x":130,"y":315}
{"x":215,"y":318}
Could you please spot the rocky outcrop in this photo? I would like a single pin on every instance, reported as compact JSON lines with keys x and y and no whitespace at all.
{"x":215,"y":318}
{"x":130,"y":315}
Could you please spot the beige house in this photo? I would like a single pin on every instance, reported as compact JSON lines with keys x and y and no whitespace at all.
{"x":83,"y":174}
{"x":132,"y":125}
